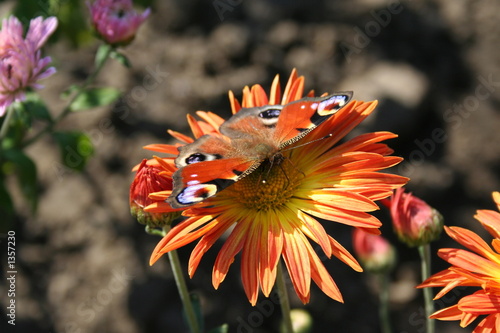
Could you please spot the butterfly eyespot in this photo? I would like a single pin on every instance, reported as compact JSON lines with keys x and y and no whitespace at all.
{"x":270,"y":117}
{"x":271,"y":113}
{"x":199,"y":157}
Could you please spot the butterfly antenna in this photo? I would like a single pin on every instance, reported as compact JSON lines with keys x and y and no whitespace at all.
{"x":309,"y":142}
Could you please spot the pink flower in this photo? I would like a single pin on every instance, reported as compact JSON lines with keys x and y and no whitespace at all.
{"x":374,"y":251}
{"x":21,"y":63}
{"x":116,"y":21}
{"x":414,"y":221}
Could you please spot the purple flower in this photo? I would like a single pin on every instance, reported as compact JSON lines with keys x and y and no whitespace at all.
{"x":21,"y":62}
{"x":116,"y":21}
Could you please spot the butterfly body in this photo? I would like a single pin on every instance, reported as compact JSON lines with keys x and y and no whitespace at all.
{"x":250,"y":137}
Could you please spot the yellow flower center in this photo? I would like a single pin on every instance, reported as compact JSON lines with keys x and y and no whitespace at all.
{"x":269,"y":186}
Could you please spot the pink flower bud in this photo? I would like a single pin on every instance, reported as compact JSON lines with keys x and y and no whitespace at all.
{"x":414,"y":221}
{"x":116,"y":21}
{"x":21,"y":62}
{"x":374,"y":251}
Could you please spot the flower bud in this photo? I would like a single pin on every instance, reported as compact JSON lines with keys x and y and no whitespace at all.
{"x":116,"y":21}
{"x":414,"y":221}
{"x":374,"y":252}
{"x":149,"y":180}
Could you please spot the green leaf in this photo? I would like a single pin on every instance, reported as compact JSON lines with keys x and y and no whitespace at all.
{"x":25,"y":170}
{"x":19,"y":123}
{"x":224,"y":328}
{"x":95,"y":97}
{"x":121,"y":58}
{"x":36,"y":108}
{"x":76,"y":149}
{"x":102,"y":55}
{"x":70,"y":90}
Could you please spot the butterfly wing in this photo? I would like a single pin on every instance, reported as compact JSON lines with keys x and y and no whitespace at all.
{"x":199,"y":181}
{"x":215,"y":161}
{"x":298,"y":118}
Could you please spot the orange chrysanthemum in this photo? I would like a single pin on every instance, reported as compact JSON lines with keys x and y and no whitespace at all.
{"x":279,"y":219}
{"x":479,"y":267}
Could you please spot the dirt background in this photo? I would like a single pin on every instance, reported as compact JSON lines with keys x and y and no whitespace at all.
{"x":83,"y":261}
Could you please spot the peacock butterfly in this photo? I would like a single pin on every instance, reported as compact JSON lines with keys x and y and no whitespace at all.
{"x":215,"y":161}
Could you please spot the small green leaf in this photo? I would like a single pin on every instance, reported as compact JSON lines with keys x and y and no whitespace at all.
{"x":95,"y":97}
{"x":102,"y":55}
{"x":121,"y":58}
{"x":76,"y":149}
{"x":37,"y":108}
{"x":224,"y":328}
{"x":19,"y":123}
{"x":70,"y":90}
{"x":25,"y":170}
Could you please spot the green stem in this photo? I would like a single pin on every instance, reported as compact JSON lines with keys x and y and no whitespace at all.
{"x":425,"y":260}
{"x":6,"y":121}
{"x":67,"y":109}
{"x":385,"y":321}
{"x":284,"y":301}
{"x":182,"y":288}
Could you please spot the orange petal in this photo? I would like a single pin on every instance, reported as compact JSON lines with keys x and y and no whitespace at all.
{"x":343,"y":255}
{"x":232,"y":245}
{"x":470,"y":261}
{"x":259,"y":95}
{"x":206,"y":243}
{"x":235,"y":105}
{"x":270,"y":252}
{"x":250,"y":263}
{"x":180,"y":137}
{"x":449,"y":313}
{"x":472,"y":241}
{"x":162,"y":148}
{"x":211,"y":118}
{"x":182,"y":234}
{"x":297,"y":262}
{"x":480,"y":303}
{"x":195,"y":127}
{"x":274,"y":94}
{"x":322,"y":278}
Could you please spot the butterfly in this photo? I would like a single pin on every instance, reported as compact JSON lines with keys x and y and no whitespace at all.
{"x":215,"y":161}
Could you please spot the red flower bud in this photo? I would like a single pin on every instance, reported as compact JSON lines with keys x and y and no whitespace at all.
{"x":414,"y":221}
{"x":374,"y":251}
{"x":149,"y":180}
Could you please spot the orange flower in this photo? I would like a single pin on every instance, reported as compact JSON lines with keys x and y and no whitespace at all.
{"x":479,"y":267}
{"x":414,"y":221}
{"x":320,"y":180}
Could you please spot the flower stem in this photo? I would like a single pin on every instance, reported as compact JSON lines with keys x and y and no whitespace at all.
{"x":6,"y":121}
{"x":284,"y":301}
{"x":183,"y":290}
{"x":425,"y":260}
{"x":67,"y":109}
{"x":385,"y":321}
